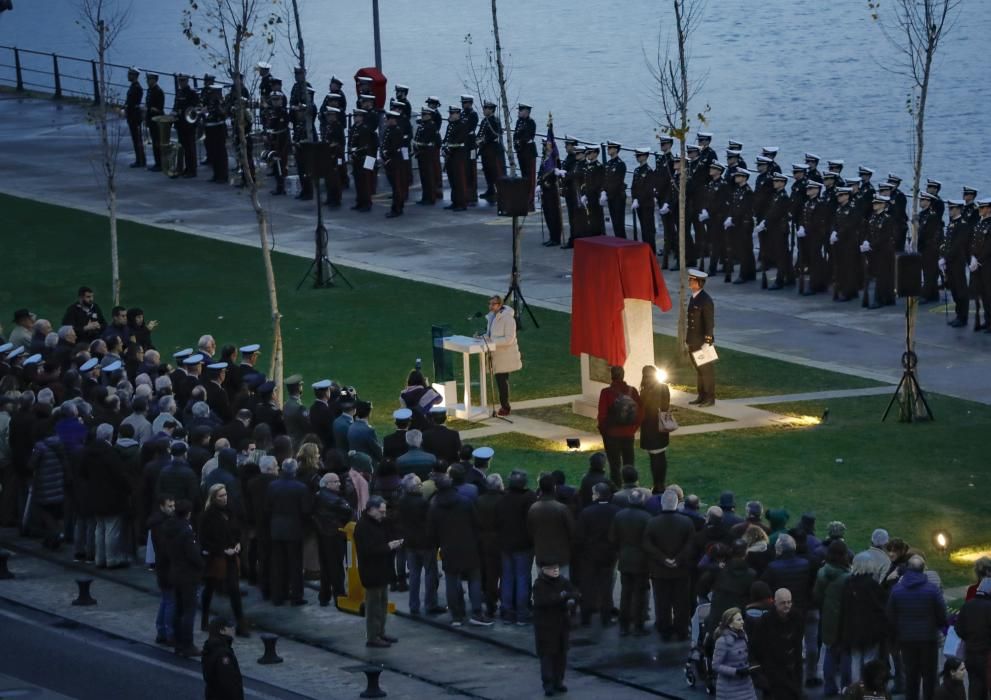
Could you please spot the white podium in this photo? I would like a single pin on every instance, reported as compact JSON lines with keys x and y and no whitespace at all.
{"x":466,"y":347}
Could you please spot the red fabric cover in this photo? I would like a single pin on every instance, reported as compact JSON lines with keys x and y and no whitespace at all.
{"x":379,"y":83}
{"x":605,"y":271}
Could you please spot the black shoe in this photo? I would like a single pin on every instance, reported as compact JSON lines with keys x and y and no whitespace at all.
{"x":568,"y":246}
{"x":155,"y":169}
{"x":387,"y":638}
{"x":298,"y":603}
{"x":136,"y":165}
{"x":548,"y":244}
{"x":548,"y":692}
{"x":437,"y":610}
{"x":696,"y":402}
{"x":875,"y":305}
{"x":813,"y":682}
{"x":242,"y":631}
{"x":449,"y":206}
{"x":955,"y":323}
{"x":188,"y":652}
{"x":378,"y":644}
{"x":707,"y":403}
{"x":980,"y":327}
{"x":561,"y":688}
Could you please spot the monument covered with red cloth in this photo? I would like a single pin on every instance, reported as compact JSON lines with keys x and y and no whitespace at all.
{"x":615,"y":284}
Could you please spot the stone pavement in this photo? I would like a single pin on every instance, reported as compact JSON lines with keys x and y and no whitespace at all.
{"x":47,"y":155}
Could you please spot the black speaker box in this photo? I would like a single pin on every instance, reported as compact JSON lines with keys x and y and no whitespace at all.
{"x":908,"y":274}
{"x":513,"y":198}
{"x":316,"y":158}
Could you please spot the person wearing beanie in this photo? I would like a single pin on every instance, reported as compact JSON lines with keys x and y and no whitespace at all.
{"x":554,"y":598}
{"x":596,"y":474}
{"x":835,"y":532}
{"x":727,"y":501}
{"x":777,"y":520}
{"x":668,"y":543}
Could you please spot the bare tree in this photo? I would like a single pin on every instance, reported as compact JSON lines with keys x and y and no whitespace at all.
{"x":501,"y":72}
{"x":676,"y":88}
{"x":233,"y":33}
{"x":103,"y":21}
{"x":915,"y":28}
{"x":480,"y":76}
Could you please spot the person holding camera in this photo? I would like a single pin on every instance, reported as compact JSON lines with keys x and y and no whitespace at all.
{"x":554,"y":599}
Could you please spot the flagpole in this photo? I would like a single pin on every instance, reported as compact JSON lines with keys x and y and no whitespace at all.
{"x":557,"y":200}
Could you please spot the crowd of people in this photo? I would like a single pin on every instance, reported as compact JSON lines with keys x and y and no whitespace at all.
{"x":196,"y":471}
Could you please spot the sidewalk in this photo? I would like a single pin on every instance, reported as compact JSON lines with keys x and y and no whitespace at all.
{"x":48,"y":148}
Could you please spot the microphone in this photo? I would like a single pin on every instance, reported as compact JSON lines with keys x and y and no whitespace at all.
{"x":477,"y":314}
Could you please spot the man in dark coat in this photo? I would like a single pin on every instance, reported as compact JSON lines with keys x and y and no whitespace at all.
{"x":221,"y":672}
{"x":668,"y":543}
{"x":453,"y":524}
{"x":421,"y":551}
{"x":186,"y":567}
{"x":788,"y":570}
{"x":551,"y":526}
{"x":85,"y":317}
{"x":916,"y":617}
{"x":331,"y":512}
{"x":487,"y":509}
{"x":626,"y":535}
{"x":394,"y":444}
{"x":701,"y":326}
{"x":777,"y":648}
{"x":516,"y":547}
{"x":553,"y":599}
{"x":441,"y":441}
{"x":288,"y":503}
{"x":596,"y":474}
{"x":974,"y":629}
{"x":415,"y":460}
{"x":132,"y":111}
{"x":260,"y":518}
{"x":374,"y":550}
{"x":161,"y":525}
{"x":597,"y":555}
{"x":177,"y":479}
{"x":154,"y":107}
{"x":321,"y":414}
{"x":109,"y":492}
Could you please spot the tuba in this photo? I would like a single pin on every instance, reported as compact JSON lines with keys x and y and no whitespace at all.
{"x":193,"y":114}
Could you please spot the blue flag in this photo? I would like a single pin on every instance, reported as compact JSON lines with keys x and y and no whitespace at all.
{"x":550,"y":162}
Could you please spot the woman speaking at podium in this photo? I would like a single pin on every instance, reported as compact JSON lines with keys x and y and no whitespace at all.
{"x":504,"y":353}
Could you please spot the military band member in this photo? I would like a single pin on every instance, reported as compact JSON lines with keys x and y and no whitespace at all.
{"x":835,"y":166}
{"x":763,"y":185}
{"x":736,"y":148}
{"x":402,"y":105}
{"x":426,"y":145}
{"x":929,"y":230}
{"x":185,"y":98}
{"x":969,"y":210}
{"x":206,"y":87}
{"x":332,"y":133}
{"x":812,"y":237}
{"x":304,"y":115}
{"x":470,"y":118}
{"x":335,"y":98}
{"x":524,"y":135}
{"x":614,"y":186}
{"x":277,"y":133}
{"x":336,"y":86}
{"x":775,"y":231}
{"x":733,"y":161}
{"x":215,"y":135}
{"x":739,"y":228}
{"x":434,"y":104}
{"x":490,"y":148}
{"x":771,"y":153}
{"x":132,"y":113}
{"x":663,"y":179}
{"x":706,"y":154}
{"x":395,"y":153}
{"x":953,"y":261}
{"x":700,"y":331}
{"x":865,"y":174}
{"x":899,"y":212}
{"x":697,"y":178}
{"x":642,"y":193}
{"x":812,"y":165}
{"x":574,"y":173}
{"x":154,"y":107}
{"x":980,"y":263}
{"x":550,"y":195}
{"x":715,"y":198}
{"x":402,"y":98}
{"x":265,"y":79}
{"x":933,"y":187}
{"x":592,"y":193}
{"x":456,"y":158}
{"x":363,"y":143}
{"x":844,"y":238}
{"x":880,"y":251}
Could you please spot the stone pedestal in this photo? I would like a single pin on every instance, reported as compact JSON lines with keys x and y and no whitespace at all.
{"x":638,"y":329}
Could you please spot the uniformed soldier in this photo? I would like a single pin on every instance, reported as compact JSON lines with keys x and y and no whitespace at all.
{"x":969,"y":210}
{"x":733,"y":161}
{"x":294,"y":413}
{"x":763,"y":185}
{"x":405,"y":110}
{"x":550,"y":195}
{"x":980,"y":263}
{"x":215,"y":135}
{"x":715,"y":199}
{"x":800,"y":173}
{"x":490,"y":148}
{"x":899,"y":211}
{"x":953,"y":260}
{"x":700,"y":331}
{"x":880,"y":251}
{"x":363,"y":143}
{"x":216,"y":396}
{"x":322,"y":413}
{"x":304,"y":115}
{"x":844,"y":238}
{"x":773,"y":232}
{"x":812,"y":165}
{"x":402,"y":98}
{"x":697,"y":179}
{"x":574,"y":172}
{"x":614,"y":187}
{"x":865,"y":174}
{"x":930,"y":228}
{"x":132,"y":112}
{"x":373,"y":118}
{"x":426,"y":142}
{"x":434,"y":104}
{"x":813,"y":236}
{"x":470,"y":118}
{"x":663,"y":179}
{"x":642,"y":193}
{"x":771,"y":153}
{"x":265,"y":79}
{"x":240,"y":102}
{"x":524,"y":135}
{"x":335,"y":98}
{"x":456,"y":158}
{"x":933,"y":187}
{"x":835,"y":166}
{"x":739,"y":229}
{"x":394,"y":155}
{"x":592,"y":192}
{"x":337,"y":87}
{"x":207,"y":84}
{"x":706,"y":154}
{"x":185,"y":98}
{"x":736,"y":148}
{"x":277,"y":133}
{"x":332,"y":133}
{"x":154,"y":107}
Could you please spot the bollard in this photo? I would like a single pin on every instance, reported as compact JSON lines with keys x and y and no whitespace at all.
{"x":5,"y":573}
{"x":84,"y":597}
{"x":372,"y":673}
{"x":270,"y":657}
{"x":58,"y":77}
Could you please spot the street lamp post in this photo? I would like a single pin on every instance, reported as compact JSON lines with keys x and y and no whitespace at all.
{"x":378,"y":41}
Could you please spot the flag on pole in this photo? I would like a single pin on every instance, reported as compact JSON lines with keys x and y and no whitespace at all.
{"x":551,"y":159}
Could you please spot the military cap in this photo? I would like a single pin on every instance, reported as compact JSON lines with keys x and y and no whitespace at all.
{"x":732,"y":153}
{"x":843,"y":190}
{"x":676,"y":159}
{"x":6,"y":347}
{"x":438,"y":410}
{"x":570,"y":139}
{"x":36,"y":360}
{"x":114,"y":366}
{"x":703,"y":136}
{"x":266,"y":387}
{"x":864,"y":170}
{"x":392,"y":114}
{"x":434,"y":100}
{"x":276,"y":81}
{"x":402,"y":414}
{"x":467,"y":98}
{"x":332,"y":110}
{"x":453,"y":108}
{"x":321,"y":385}
{"x":799,"y":168}
{"x":151,"y":76}
{"x":87,"y":366}
{"x":483,"y":453}
{"x":831,"y":163}
{"x":697,"y":274}
{"x":294,"y":379}
{"x":366,"y":96}
{"x":19,"y":350}
{"x":404,"y":88}
{"x":934,"y":183}
{"x":666,"y":139}
{"x":364,"y":79}
{"x":770,"y":151}
{"x":894,"y":178}
{"x":395,"y":103}
{"x":764,"y":160}
{"x":927,"y":196}
{"x":264,"y":65}
{"x":735,"y":145}
{"x":717,"y":166}
{"x":779,"y":177}
{"x":591,"y":148}
{"x":133,"y":71}
{"x":425,"y":109}
{"x":185,"y":352}
{"x":335,"y":79}
{"x":969,"y":190}
{"x":691,"y":147}
{"x":985,"y":202}
{"x":217,"y":366}
{"x":811,"y":157}
{"x":359,"y":112}
{"x":830,"y":174}
{"x":812,"y":183}
{"x":248,"y":349}
{"x":885,"y":186}
{"x":523,"y":105}
{"x":613,"y":144}
{"x":955,"y":203}
{"x":881,"y":198}
{"x":193,"y":359}
{"x":741,"y":172}
{"x":488,"y":104}
{"x":642,"y":151}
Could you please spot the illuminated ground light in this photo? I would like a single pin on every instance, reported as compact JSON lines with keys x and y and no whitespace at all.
{"x":968,"y":555}
{"x":801,"y":421}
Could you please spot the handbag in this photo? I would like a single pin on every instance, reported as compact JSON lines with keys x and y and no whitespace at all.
{"x":666,"y":422}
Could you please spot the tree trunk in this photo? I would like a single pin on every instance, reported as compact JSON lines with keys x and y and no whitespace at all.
{"x":109,"y":164}
{"x":502,"y":92}
{"x":682,"y":184}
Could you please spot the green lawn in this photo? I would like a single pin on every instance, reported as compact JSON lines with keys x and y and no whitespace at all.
{"x":910,"y":478}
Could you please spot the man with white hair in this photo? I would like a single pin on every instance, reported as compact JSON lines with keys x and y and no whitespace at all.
{"x":880,"y":561}
{"x":258,"y":520}
{"x":788,"y":570}
{"x":166,"y":412}
{"x":331,"y":512}
{"x":163,"y":385}
{"x":667,"y":541}
{"x":288,"y":503}
{"x":42,"y":327}
{"x":206,"y":346}
{"x":916,"y":617}
{"x":416,"y":460}
{"x":107,"y":491}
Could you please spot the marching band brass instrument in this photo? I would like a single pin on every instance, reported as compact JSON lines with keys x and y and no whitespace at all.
{"x":171,"y":153}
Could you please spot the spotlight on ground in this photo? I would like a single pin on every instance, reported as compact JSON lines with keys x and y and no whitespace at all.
{"x":941,"y":541}
{"x":574,"y":444}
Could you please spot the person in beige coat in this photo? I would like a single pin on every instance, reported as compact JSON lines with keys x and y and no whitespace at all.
{"x":504,"y":353}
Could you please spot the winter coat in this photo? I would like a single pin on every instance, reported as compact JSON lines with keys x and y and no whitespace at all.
{"x":331,"y":512}
{"x":501,"y":340}
{"x":288,"y":503}
{"x":219,"y":530}
{"x":416,"y":461}
{"x":413,"y":512}
{"x":185,"y":559}
{"x":511,"y":520}
{"x":669,"y":536}
{"x":178,"y":480}
{"x":552,"y":529}
{"x":487,"y":507}
{"x":951,"y":690}
{"x":828,"y":595}
{"x":362,"y":438}
{"x":160,"y":525}
{"x":49,"y":462}
{"x":453,"y":524}
{"x":226,"y":474}
{"x":592,"y":534}
{"x":974,"y":625}
{"x":626,"y":534}
{"x":730,"y":653}
{"x":655,"y":398}
{"x":916,"y":609}
{"x":777,"y":647}
{"x":795,"y":574}
{"x":758,"y":557}
{"x":589,"y":481}
{"x":606,"y":398}
{"x":730,"y":589}
{"x":107,"y":486}
{"x":863,"y":622}
{"x":258,"y":514}
{"x":550,"y":613}
{"x":371,"y":542}
{"x":221,"y":672}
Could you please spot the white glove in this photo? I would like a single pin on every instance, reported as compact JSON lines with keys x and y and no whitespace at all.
{"x":603,"y":199}
{"x":665,"y":209}
{"x":800,"y":233}
{"x":865,"y":247}
{"x":559,"y":172}
{"x":584,"y":201}
{"x":728,"y":223}
{"x":942,"y":264}
{"x":635,"y":205}
{"x":833,"y":238}
{"x":760,"y":227}
{"x":974,"y":264}
{"x":704,"y":215}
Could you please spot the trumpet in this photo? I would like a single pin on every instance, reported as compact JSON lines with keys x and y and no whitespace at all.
{"x":194,"y":113}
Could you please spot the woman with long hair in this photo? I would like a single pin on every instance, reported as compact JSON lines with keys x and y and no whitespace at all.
{"x":220,"y":538}
{"x":418,"y":397}
{"x":138,"y":329}
{"x":951,"y":680}
{"x":310,"y":466}
{"x":730,"y":659}
{"x":655,"y":396}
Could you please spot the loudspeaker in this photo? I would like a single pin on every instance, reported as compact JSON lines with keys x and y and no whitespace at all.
{"x":513,"y":198}
{"x":316,"y":159}
{"x":908,"y":274}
